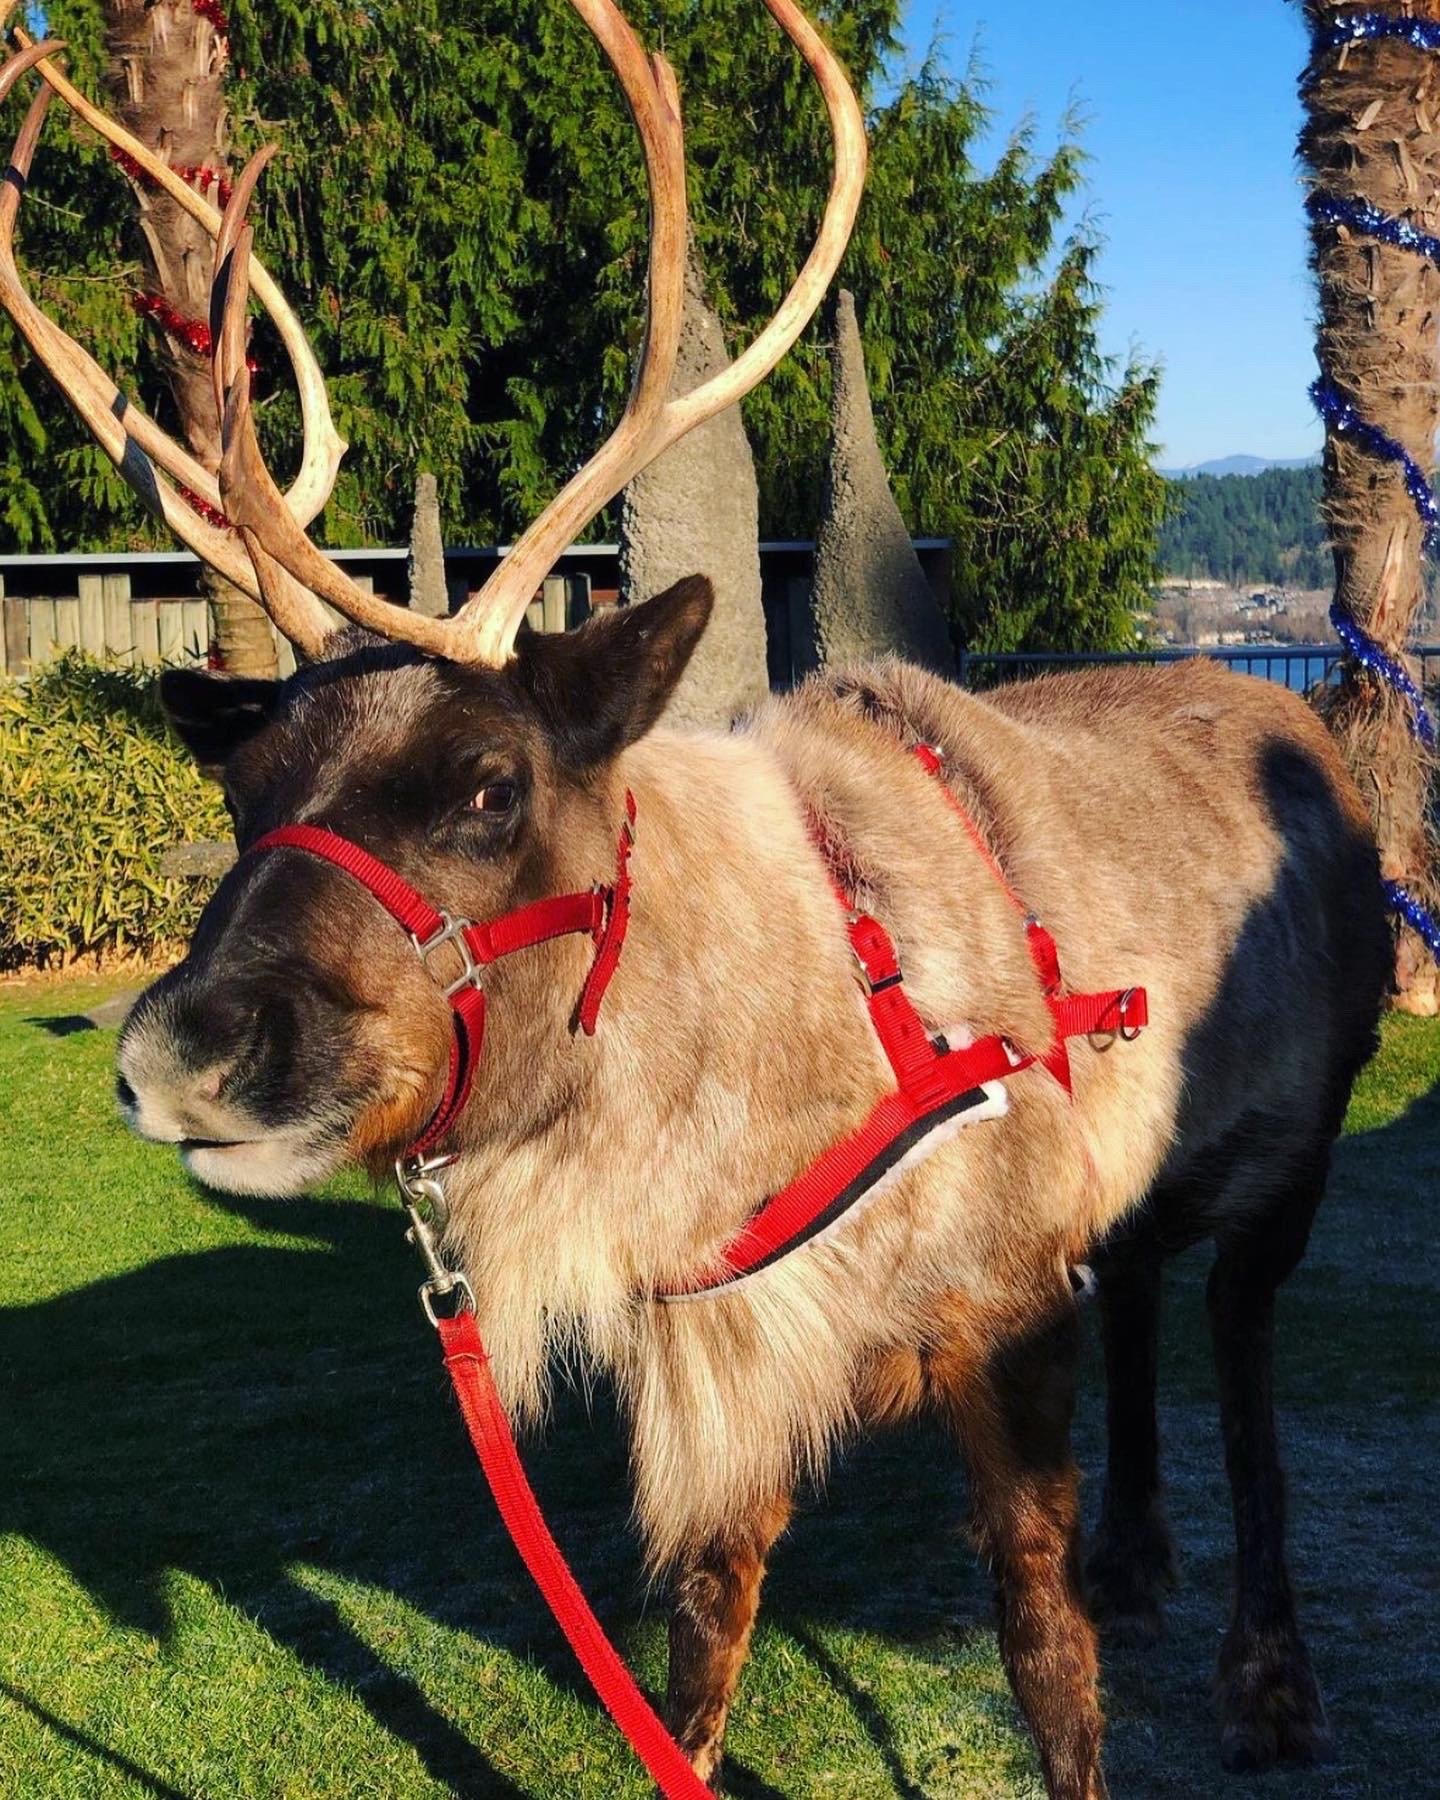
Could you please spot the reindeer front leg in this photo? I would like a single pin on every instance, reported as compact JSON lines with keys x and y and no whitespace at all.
{"x":1011,"y":1408}
{"x":716,"y":1597}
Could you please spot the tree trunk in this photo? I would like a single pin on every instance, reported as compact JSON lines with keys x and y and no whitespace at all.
{"x":869,"y":597}
{"x":166,"y":76}
{"x":696,"y":511}
{"x":1371,"y":135}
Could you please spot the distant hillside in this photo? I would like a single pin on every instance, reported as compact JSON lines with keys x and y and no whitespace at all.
{"x":1241,"y":465}
{"x":1261,"y":529}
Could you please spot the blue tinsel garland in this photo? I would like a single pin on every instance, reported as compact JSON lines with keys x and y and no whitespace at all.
{"x":1366,"y":27}
{"x":1422,"y":923}
{"x":1360,"y":215}
{"x":1340,"y":415}
{"x":1363,"y":649}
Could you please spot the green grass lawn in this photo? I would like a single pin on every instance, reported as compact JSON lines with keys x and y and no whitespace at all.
{"x":244,"y":1551}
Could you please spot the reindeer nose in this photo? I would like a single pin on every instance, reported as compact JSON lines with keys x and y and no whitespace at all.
{"x":177,"y":1046}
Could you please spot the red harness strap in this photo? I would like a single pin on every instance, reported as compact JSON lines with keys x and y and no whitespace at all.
{"x":934,"y":1083}
{"x":603,"y":913}
{"x":1072,"y":1015}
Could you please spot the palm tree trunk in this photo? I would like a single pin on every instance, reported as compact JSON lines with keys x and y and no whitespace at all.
{"x":166,"y":77}
{"x":1372,"y":135}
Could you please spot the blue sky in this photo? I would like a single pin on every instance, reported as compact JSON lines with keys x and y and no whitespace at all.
{"x":1192,"y":120}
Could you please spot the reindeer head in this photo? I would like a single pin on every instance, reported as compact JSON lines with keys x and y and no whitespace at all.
{"x":480,"y":764}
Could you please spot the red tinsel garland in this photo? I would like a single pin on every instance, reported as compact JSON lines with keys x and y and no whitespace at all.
{"x":200,"y":176}
{"x":215,"y":13}
{"x":212,"y":515}
{"x":194,"y":334}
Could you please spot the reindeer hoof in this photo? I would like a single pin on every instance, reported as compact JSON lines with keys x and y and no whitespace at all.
{"x":1270,"y":1706}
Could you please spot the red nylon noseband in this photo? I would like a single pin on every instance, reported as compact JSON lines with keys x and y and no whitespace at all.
{"x":601,"y":912}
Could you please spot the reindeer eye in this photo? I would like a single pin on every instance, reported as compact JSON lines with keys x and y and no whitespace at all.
{"x":494,"y":797}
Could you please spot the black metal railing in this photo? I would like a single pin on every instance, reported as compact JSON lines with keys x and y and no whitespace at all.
{"x":1299,"y":667}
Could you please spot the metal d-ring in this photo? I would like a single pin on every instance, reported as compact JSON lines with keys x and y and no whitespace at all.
{"x":1128,"y":1033}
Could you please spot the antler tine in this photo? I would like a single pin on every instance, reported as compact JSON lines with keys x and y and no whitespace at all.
{"x":486,"y":626}
{"x":847,"y":184}
{"x":490,"y":621}
{"x":485,"y":636}
{"x":132,"y":440}
{"x":294,"y":608}
{"x":227,"y":297}
{"x":292,"y":571}
{"x":323,"y":446}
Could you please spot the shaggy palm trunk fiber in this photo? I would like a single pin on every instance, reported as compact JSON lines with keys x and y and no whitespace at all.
{"x":166,"y":76}
{"x":1372,"y":135}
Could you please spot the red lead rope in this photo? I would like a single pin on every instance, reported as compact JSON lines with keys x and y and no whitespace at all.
{"x":604,"y":915}
{"x":490,"y":1433}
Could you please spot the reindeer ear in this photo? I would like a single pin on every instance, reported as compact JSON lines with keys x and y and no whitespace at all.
{"x":603,"y":686}
{"x":213,"y":714}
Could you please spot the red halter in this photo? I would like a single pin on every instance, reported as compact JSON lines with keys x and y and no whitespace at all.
{"x":935,"y":1083}
{"x":602,"y":912}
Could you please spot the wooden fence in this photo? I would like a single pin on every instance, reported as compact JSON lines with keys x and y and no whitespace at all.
{"x":147,"y":606}
{"x":107,"y":620}
{"x":103,"y":619}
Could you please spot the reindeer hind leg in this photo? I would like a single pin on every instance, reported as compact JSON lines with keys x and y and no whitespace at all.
{"x":1269,"y":1700}
{"x":1131,"y":1564}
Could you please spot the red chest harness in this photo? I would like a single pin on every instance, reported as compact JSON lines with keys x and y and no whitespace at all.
{"x":935,"y":1084}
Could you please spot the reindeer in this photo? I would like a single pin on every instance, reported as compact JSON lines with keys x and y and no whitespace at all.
{"x":1181,"y":829}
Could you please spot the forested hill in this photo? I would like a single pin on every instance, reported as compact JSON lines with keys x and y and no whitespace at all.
{"x":1241,"y":529}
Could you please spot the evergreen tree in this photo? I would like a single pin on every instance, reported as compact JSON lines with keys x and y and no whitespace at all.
{"x":460,"y":218}
{"x":1263,"y":528}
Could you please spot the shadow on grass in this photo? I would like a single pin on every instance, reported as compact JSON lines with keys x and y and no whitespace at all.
{"x":253,"y":1408}
{"x":122,"y":1765}
{"x":61,"y":1025}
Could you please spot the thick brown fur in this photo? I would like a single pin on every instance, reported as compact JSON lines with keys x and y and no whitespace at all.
{"x":1178,"y":828}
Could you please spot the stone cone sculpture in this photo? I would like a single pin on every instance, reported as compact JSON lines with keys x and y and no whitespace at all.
{"x":428,"y":593}
{"x":696,"y":511}
{"x":870,"y":597}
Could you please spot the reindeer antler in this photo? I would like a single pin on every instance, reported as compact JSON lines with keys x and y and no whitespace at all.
{"x":286,"y":570}
{"x":133,"y":441}
{"x":250,"y":494}
{"x":487,"y":624}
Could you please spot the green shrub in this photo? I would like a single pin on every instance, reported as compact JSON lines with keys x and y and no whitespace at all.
{"x":93,"y":790}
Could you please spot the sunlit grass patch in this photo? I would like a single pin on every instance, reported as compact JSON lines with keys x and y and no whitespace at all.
{"x":247,"y":1554}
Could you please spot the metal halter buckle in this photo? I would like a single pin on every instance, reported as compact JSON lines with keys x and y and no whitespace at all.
{"x":868,"y":984}
{"x":451,"y":932}
{"x":423,"y":1197}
